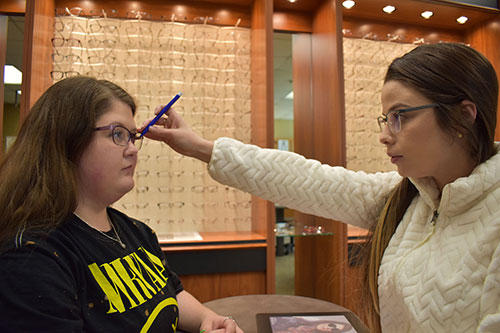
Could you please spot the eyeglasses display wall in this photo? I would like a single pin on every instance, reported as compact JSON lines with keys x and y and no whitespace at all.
{"x":365,"y":65}
{"x":153,"y":61}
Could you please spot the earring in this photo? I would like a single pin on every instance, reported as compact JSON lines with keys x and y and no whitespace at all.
{"x":460,"y":135}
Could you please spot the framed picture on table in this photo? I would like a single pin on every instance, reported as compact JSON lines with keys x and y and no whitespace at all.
{"x":345,"y":322}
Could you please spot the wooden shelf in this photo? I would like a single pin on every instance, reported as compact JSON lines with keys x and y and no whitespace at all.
{"x":216,"y":241}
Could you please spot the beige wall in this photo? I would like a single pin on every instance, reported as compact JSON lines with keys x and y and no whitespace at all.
{"x":10,"y":121}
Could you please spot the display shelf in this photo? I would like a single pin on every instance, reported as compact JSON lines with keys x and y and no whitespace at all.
{"x":213,"y":241}
{"x":292,"y":229}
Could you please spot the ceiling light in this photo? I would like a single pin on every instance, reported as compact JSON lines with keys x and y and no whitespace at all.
{"x":12,"y":75}
{"x":348,"y":4}
{"x":289,"y":95}
{"x":389,"y":9}
{"x":292,"y":1}
{"x":462,"y":19}
{"x":427,"y":14}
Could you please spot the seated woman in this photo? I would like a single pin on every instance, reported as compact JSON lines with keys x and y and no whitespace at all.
{"x":70,"y":263}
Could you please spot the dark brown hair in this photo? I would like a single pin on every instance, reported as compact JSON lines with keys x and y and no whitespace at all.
{"x":446,"y":74}
{"x":38,"y":174}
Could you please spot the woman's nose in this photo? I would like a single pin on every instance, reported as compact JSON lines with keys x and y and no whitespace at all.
{"x":131,"y":148}
{"x":386,"y":137}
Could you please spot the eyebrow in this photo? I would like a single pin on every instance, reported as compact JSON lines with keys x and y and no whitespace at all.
{"x":117,"y":123}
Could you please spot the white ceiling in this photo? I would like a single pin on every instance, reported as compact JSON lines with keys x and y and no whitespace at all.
{"x":14,"y":57}
{"x":283,"y":108}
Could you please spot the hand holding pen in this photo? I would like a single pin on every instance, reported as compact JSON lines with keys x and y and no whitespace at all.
{"x":161,"y":113}
{"x":174,"y":131}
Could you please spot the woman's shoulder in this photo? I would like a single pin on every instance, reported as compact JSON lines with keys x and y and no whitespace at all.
{"x":32,"y":252}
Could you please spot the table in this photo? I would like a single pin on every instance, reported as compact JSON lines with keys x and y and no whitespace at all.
{"x":244,"y":308}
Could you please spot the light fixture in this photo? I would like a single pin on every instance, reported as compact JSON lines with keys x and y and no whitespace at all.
{"x":389,"y":9}
{"x":289,"y":95}
{"x":12,"y":75}
{"x":427,"y":14}
{"x":462,"y":19}
{"x":292,"y":1}
{"x":348,"y":4}
{"x":18,"y":91}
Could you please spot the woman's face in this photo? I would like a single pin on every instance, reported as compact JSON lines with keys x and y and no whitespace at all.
{"x":105,"y":169}
{"x":421,"y":148}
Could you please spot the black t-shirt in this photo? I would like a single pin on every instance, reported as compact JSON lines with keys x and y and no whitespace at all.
{"x":77,"y":280}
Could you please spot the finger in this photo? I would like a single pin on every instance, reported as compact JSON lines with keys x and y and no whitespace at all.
{"x":230,"y":324}
{"x":162,"y":122}
{"x":158,"y":108}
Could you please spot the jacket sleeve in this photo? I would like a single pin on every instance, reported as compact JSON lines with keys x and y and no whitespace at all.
{"x":490,"y":302}
{"x":306,"y":185}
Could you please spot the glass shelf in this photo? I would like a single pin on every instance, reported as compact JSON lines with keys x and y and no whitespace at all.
{"x":291,"y":228}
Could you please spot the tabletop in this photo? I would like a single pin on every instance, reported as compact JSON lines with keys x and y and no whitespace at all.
{"x":244,"y":308}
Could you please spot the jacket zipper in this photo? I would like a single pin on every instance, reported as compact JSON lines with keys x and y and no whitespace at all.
{"x":434,"y":218}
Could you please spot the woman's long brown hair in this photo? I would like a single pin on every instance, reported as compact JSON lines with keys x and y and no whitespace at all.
{"x":38,"y":174}
{"x":447,"y":74}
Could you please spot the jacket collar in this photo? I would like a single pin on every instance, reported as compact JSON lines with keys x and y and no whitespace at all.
{"x":460,"y":195}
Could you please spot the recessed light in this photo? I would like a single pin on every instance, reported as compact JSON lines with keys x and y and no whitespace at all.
{"x":292,"y":1}
{"x":12,"y":75}
{"x":348,"y":4}
{"x":427,"y":14}
{"x":389,"y":9}
{"x":462,"y":19}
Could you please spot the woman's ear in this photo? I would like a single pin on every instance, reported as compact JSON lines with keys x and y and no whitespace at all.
{"x":470,"y":108}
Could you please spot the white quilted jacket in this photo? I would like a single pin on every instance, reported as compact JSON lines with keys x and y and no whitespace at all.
{"x":441,"y":277}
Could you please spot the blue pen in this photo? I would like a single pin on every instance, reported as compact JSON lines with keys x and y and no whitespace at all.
{"x":162,"y":112}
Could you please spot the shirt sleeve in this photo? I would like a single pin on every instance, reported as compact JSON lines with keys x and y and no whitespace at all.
{"x":37,"y":293}
{"x":298,"y":183}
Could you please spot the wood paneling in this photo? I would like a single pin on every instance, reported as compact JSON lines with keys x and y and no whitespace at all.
{"x":3,"y":56}
{"x":207,"y":287}
{"x":262,"y":103}
{"x":320,"y":261}
{"x":329,"y":131}
{"x":37,"y":50}
{"x":486,"y":39}
{"x":408,"y":33}
{"x":408,"y":12}
{"x":10,"y":7}
{"x":218,"y":12}
{"x":292,"y":22}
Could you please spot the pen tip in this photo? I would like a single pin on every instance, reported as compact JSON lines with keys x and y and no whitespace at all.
{"x":180,"y":94}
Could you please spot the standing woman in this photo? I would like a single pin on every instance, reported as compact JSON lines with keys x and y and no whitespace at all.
{"x":434,"y":256}
{"x":70,"y":263}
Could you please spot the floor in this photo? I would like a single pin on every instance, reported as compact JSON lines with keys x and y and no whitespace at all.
{"x":285,"y":274}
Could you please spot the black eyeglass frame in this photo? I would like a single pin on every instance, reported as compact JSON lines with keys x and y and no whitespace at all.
{"x":135,"y":138}
{"x":383,"y":119}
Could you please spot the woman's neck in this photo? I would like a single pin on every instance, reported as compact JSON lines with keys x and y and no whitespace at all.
{"x":96,"y":218}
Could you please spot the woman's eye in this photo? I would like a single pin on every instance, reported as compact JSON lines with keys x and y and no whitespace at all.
{"x":118,"y":133}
